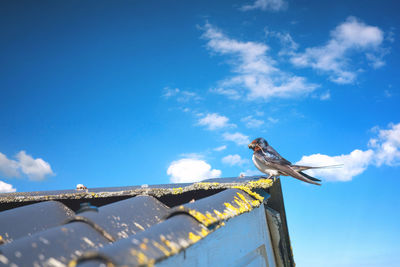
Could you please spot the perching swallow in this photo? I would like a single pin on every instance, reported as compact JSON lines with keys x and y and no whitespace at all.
{"x":268,"y":161}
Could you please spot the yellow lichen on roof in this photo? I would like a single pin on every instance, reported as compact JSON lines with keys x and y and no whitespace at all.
{"x":242,"y":205}
{"x":219,"y":214}
{"x":193,"y":237}
{"x":171,"y":245}
{"x":164,"y":250}
{"x":176,"y":191}
{"x":206,"y":219}
{"x":205,"y":186}
{"x":204,"y":232}
{"x":261,"y":183}
{"x":250,"y":192}
{"x":72,"y":263}
{"x":143,"y":246}
{"x":142,"y":258}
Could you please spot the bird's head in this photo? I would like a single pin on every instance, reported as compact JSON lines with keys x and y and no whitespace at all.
{"x":258,"y":143}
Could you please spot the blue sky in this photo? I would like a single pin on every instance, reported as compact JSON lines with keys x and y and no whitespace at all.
{"x":149,"y":92}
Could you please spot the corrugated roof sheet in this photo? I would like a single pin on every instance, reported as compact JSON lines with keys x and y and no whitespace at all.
{"x":131,"y":225}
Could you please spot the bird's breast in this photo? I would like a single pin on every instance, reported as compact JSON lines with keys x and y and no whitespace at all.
{"x":263,"y":167}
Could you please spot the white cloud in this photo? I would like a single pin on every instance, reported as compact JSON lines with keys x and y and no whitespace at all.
{"x":192,"y":155}
{"x":238,"y":138}
{"x":384,"y":150}
{"x":230,"y":93}
{"x":8,"y":167}
{"x":325,"y":96}
{"x":35,"y":169}
{"x":273,"y":5}
{"x":354,"y":164}
{"x":252,"y":122}
{"x":289,"y":46}
{"x":387,"y":146}
{"x":169,"y":92}
{"x":233,"y":160}
{"x":255,"y":74}
{"x":273,"y":120}
{"x":220,"y":148}
{"x":350,"y":37}
{"x":179,"y":95}
{"x":6,"y":188}
{"x":191,"y":170}
{"x":214,"y":121}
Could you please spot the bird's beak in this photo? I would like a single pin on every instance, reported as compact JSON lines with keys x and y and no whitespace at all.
{"x":251,"y":145}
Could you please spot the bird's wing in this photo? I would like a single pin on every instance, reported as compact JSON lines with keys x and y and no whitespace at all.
{"x":270,"y":150}
{"x":287,"y":170}
{"x":268,"y":158}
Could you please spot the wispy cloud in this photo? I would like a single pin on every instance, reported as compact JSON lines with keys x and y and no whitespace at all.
{"x":191,"y":170}
{"x":288,"y":45}
{"x":181,"y":96}
{"x":238,"y":138}
{"x":170,"y":92}
{"x":273,"y":5}
{"x":230,"y":93}
{"x":252,"y":122}
{"x":325,"y":96}
{"x":35,"y":169}
{"x":214,"y":121}
{"x":220,"y":148}
{"x":6,"y":188}
{"x":234,"y":160}
{"x":255,"y":74}
{"x":384,"y":150}
{"x":322,"y":95}
{"x":350,"y":37}
{"x":272,"y":120}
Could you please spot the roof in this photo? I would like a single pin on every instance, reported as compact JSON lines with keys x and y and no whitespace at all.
{"x":139,"y":225}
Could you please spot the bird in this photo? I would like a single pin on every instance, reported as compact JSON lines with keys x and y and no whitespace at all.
{"x":270,"y":162}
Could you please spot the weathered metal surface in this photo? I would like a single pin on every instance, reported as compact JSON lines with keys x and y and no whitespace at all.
{"x":221,"y":206}
{"x":56,"y":245}
{"x":278,"y":241}
{"x":276,"y":203}
{"x":128,"y":217}
{"x":27,"y":220}
{"x":242,"y":241}
{"x":128,"y":229}
{"x":159,"y":242}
